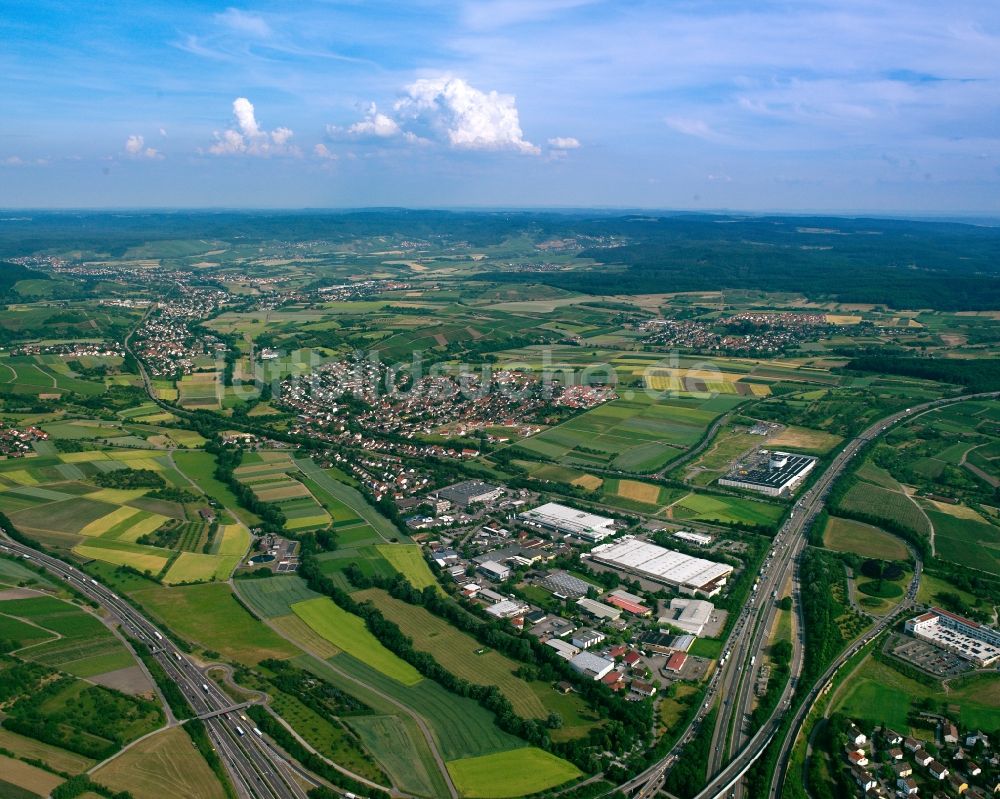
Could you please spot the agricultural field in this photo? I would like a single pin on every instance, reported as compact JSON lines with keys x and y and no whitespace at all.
{"x":408,"y":560}
{"x":881,"y":504}
{"x":200,"y":391}
{"x":637,"y":435}
{"x":164,"y":763}
{"x":348,"y":633}
{"x":846,"y":535}
{"x":725,"y":510}
{"x":509,"y":774}
{"x":20,"y":780}
{"x":62,"y":636}
{"x":464,"y":657}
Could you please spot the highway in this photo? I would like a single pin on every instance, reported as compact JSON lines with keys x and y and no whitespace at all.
{"x":733,"y":682}
{"x":258,"y":770}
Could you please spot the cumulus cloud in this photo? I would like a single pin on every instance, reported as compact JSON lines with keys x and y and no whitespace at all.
{"x":135,"y":147}
{"x":564,"y":143}
{"x":464,"y":116}
{"x":248,"y":138}
{"x":375,"y":125}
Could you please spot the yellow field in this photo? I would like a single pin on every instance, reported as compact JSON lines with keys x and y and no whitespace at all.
{"x":105,"y":523}
{"x":28,"y":777}
{"x":145,"y":463}
{"x":271,"y":456}
{"x":21,"y":476}
{"x":138,"y":560}
{"x":143,"y":527}
{"x":589,"y":481}
{"x":235,"y":540}
{"x":168,"y":394}
{"x":958,"y":511}
{"x":759,"y":389}
{"x":804,"y":438}
{"x":195,"y":567}
{"x":641,"y":492}
{"x":288,"y":490}
{"x":117,"y":496}
{"x":165,"y":764}
{"x":135,"y":454}
{"x":163,"y":416}
{"x":842,"y":319}
{"x":300,"y":633}
{"x":83,"y":457}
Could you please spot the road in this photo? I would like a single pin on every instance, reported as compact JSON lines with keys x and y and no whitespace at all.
{"x":733,"y":681}
{"x":258,"y":770}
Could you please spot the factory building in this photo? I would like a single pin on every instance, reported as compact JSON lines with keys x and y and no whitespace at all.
{"x":771,"y":473}
{"x":687,"y":574}
{"x":569,"y":521}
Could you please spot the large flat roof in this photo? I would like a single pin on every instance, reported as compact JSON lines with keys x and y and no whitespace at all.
{"x":568,"y":519}
{"x":665,"y":565}
{"x":763,"y":474}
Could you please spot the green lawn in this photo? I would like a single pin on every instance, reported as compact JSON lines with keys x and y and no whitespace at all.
{"x":728,"y":510}
{"x":408,"y":559}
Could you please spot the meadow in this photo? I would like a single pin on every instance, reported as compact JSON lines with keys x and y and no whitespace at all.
{"x":725,"y":510}
{"x":847,"y":535}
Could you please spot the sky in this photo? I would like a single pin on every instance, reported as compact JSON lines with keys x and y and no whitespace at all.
{"x":847,"y":106}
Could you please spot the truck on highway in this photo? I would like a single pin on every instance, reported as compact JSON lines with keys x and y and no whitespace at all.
{"x":240,"y":731}
{"x":158,"y":636}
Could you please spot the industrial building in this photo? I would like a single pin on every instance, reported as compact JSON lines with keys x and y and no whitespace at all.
{"x":973,"y":641}
{"x":569,"y":521}
{"x":468,"y":492}
{"x":565,"y":650}
{"x":689,"y":575}
{"x":598,"y":609}
{"x":592,"y":665}
{"x":700,"y":539}
{"x":689,"y":615}
{"x":565,"y":586}
{"x":493,"y":570}
{"x":630,"y":603}
{"x":586,"y":638}
{"x":771,"y":473}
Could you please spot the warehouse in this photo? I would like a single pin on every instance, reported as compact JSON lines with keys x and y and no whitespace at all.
{"x":630,"y":603}
{"x":770,"y":473}
{"x":683,"y":572}
{"x":570,"y":521}
{"x":700,"y":539}
{"x":468,"y":492}
{"x":592,"y":665}
{"x":689,"y":615}
{"x":598,"y":609}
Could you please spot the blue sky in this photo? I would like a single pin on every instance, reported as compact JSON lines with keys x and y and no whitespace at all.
{"x":837,"y":105}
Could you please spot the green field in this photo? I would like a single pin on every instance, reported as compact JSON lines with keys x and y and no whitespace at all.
{"x":348,"y":632}
{"x":209,"y":615}
{"x":726,"y":509}
{"x":880,"y":503}
{"x":846,"y":535}
{"x":352,"y":498}
{"x":457,"y":652}
{"x":408,"y":560}
{"x":390,"y":739}
{"x":879,"y":694}
{"x":274,"y":596}
{"x":966,"y":541}
{"x":507,"y":774}
{"x":200,"y":468}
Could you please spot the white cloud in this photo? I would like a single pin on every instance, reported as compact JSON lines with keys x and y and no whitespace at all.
{"x":135,"y":147}
{"x":375,"y":125}
{"x":469,"y":119}
{"x":564,"y":143}
{"x":242,"y":22}
{"x":324,"y":152}
{"x":247,"y":138}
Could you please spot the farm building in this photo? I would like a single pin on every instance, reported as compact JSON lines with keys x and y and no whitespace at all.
{"x":598,"y":609}
{"x":687,"y":574}
{"x":572,"y":522}
{"x":468,"y":492}
{"x":771,"y":473}
{"x":592,"y":665}
{"x":689,"y":615}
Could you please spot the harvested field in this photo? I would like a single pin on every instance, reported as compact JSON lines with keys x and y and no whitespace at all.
{"x":641,"y":492}
{"x":30,"y":778}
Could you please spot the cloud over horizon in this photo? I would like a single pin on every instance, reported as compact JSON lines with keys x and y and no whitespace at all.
{"x":247,"y":138}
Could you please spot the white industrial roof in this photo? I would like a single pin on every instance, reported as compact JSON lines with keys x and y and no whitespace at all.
{"x":568,"y":518}
{"x":662,"y":564}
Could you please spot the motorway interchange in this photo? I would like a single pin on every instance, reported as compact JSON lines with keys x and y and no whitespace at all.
{"x":256,"y":767}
